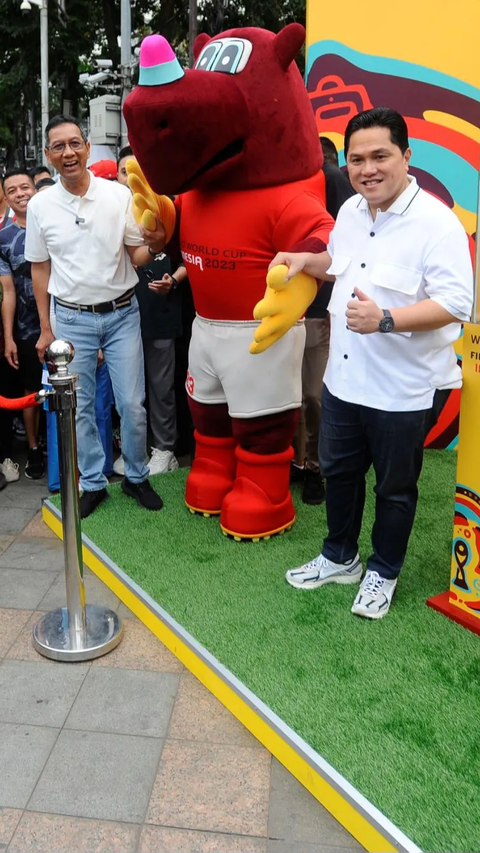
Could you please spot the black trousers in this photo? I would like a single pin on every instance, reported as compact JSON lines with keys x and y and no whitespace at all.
{"x":352,"y":439}
{"x":8,"y":382}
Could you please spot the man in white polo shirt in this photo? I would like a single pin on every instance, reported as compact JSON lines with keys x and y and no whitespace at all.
{"x":82,"y":240}
{"x":403,"y":284}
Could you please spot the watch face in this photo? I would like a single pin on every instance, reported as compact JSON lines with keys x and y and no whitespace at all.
{"x":386,"y":324}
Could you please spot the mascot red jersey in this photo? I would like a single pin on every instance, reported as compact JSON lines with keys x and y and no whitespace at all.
{"x":234,"y":138}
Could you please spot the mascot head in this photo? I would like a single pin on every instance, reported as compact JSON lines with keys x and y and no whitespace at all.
{"x":240,"y":119}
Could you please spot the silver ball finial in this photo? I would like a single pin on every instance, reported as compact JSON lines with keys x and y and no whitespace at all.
{"x":59,"y":355}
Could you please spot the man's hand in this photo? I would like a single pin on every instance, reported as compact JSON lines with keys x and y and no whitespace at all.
{"x":11,"y":352}
{"x":162,"y":287}
{"x":363,"y":314}
{"x":295,"y":261}
{"x":152,"y":212}
{"x":43,"y":342}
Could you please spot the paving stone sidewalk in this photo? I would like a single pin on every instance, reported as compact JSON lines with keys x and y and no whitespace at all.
{"x":129,"y":752}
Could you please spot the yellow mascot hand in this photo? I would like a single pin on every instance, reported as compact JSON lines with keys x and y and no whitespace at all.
{"x":283,"y":304}
{"x":148,"y":207}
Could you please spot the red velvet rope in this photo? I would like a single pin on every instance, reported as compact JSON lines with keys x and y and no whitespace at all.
{"x":20,"y":403}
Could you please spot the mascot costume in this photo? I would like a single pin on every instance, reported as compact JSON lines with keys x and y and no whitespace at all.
{"x":234,"y":139}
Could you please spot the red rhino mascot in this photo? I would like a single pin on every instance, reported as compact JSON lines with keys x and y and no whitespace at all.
{"x":235,"y":139}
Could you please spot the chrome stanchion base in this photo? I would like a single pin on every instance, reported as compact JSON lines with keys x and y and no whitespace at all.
{"x":51,"y":635}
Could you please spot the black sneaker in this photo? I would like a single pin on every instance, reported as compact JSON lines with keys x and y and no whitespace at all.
{"x":143,"y":493}
{"x":42,"y":445}
{"x":296,"y":473}
{"x":90,"y":500}
{"x":35,"y":467}
{"x":313,"y":488}
{"x":3,"y":481}
{"x":19,"y":430}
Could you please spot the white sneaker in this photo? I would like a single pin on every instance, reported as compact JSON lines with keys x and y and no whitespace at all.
{"x":320,"y":571}
{"x":119,"y":466}
{"x":374,"y":596}
{"x":10,"y":470}
{"x":162,"y":461}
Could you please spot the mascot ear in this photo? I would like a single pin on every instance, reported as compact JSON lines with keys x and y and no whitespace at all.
{"x":288,"y":43}
{"x":199,"y":44}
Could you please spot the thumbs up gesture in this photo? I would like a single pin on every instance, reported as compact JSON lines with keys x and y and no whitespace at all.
{"x":363,"y":314}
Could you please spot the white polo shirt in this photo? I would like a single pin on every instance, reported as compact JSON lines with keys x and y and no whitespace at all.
{"x":416,"y":250}
{"x":84,"y":237}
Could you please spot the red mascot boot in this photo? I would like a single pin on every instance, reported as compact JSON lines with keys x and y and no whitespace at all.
{"x":211,"y":475}
{"x":260,"y":502}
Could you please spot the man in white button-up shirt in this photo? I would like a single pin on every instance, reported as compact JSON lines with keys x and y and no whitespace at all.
{"x":403,"y":284}
{"x":82,"y":240}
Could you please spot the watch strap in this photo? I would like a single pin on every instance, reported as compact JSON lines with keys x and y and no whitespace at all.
{"x":387,"y":323}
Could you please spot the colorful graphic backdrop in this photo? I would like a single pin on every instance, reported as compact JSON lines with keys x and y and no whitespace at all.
{"x":422,"y":60}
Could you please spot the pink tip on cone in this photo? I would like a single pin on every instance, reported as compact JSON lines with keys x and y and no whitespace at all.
{"x":154,"y":51}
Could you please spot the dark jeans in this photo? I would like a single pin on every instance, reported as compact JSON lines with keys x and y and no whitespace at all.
{"x":352,"y":438}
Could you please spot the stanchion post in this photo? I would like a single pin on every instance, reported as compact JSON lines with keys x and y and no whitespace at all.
{"x":64,"y":404}
{"x":78,"y":631}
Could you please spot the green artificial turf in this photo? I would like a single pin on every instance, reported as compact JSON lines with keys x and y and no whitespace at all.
{"x":393,"y":705}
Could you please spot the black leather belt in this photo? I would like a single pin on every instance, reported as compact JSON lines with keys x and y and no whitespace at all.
{"x":101,"y":307}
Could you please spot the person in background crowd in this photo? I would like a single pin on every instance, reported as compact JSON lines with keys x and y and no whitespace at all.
{"x":330,"y":153}
{"x":403,"y":284}
{"x":104,"y":169}
{"x":39,"y":173}
{"x":21,"y":325}
{"x":183,"y":417}
{"x":44,"y":184}
{"x":125,"y":154}
{"x":6,"y":212}
{"x":160,"y":304}
{"x":317,"y":327}
{"x":337,"y":184}
{"x":10,"y":383}
{"x":5,"y":414}
{"x":82,"y":240}
{"x":161,"y":316}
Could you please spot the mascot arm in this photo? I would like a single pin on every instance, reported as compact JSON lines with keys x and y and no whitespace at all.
{"x":147,"y":205}
{"x":305,"y":226}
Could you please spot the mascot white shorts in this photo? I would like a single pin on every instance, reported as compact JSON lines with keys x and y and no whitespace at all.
{"x":221,"y":369}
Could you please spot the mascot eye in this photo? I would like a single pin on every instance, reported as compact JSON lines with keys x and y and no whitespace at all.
{"x":228,"y":56}
{"x":227,"y":60}
{"x":163,"y":124}
{"x":207,"y":56}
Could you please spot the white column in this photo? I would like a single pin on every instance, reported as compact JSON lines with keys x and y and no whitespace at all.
{"x":125,"y":59}
{"x":44,"y":69}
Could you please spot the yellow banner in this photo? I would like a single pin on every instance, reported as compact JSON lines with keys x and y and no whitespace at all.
{"x":465,"y":576}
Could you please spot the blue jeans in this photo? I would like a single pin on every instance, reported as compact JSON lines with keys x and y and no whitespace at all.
{"x":117,"y":334}
{"x":352,"y":438}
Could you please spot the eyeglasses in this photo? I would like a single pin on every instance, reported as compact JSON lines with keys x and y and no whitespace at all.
{"x":59,"y":147}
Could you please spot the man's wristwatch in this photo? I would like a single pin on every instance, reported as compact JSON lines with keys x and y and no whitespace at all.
{"x":387,"y":323}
